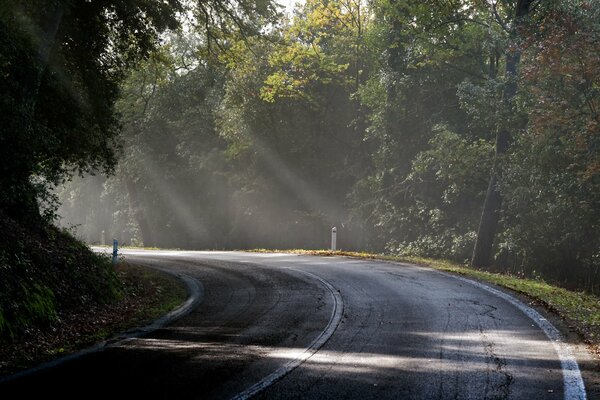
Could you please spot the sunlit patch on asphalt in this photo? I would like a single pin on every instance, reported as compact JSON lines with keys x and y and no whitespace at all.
{"x":351,"y":362}
{"x":334,"y":320}
{"x":572,"y":380}
{"x":475,"y":351}
{"x":470,"y":343}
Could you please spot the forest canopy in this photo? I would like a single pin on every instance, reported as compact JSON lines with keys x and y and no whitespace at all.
{"x":466,"y":130}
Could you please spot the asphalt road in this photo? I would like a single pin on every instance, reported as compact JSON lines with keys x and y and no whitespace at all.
{"x":277,"y":326}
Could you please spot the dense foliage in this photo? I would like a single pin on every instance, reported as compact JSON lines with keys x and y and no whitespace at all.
{"x":394,"y":120}
{"x":62,"y":68}
{"x":61,"y":64}
{"x":59,"y":84}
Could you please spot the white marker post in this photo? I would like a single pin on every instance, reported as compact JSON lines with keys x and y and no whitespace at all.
{"x":333,"y":238}
{"x":115,"y":251}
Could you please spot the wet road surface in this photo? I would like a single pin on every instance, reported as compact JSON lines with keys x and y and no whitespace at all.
{"x":280,"y":326}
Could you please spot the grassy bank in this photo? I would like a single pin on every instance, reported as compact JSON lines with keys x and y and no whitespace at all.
{"x":147,"y":294}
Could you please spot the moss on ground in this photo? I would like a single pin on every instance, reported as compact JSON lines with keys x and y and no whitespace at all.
{"x":147,"y":294}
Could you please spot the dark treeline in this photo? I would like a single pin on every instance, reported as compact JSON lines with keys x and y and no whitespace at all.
{"x":65,"y":69}
{"x":466,"y":130}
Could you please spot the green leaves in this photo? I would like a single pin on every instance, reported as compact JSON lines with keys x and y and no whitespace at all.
{"x":380,"y":115}
{"x":65,"y":63}
{"x":323,"y":46}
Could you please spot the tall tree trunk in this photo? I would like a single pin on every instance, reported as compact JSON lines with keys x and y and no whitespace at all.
{"x":138,"y":213}
{"x":395,"y":64}
{"x":488,"y":225}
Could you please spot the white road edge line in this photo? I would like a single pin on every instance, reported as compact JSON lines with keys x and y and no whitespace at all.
{"x":334,"y":321}
{"x":574,"y":388}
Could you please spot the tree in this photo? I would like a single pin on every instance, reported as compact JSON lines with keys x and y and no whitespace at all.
{"x":426,"y":50}
{"x":179,"y":191}
{"x":293,"y":126}
{"x":490,"y":215}
{"x":167,"y":106}
{"x":172,"y":152}
{"x":62,"y":62}
{"x":550,"y":184}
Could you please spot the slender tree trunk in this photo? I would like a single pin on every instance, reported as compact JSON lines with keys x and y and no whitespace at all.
{"x":488,"y":225}
{"x":138,"y":213}
{"x":482,"y":253}
{"x":396,"y":64}
{"x":134,"y":200}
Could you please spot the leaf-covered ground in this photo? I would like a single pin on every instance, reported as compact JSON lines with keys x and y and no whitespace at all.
{"x":147,"y":295}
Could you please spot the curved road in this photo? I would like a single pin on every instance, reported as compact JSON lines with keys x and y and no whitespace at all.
{"x":280,"y":326}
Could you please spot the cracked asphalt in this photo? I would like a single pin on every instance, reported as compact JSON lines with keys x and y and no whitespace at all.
{"x":400,"y":332}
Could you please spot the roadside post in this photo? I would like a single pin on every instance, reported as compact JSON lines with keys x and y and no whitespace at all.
{"x":115,"y":251}
{"x":333,"y":238}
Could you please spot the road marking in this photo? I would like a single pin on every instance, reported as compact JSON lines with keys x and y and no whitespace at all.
{"x":334,"y":321}
{"x":574,"y":388}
